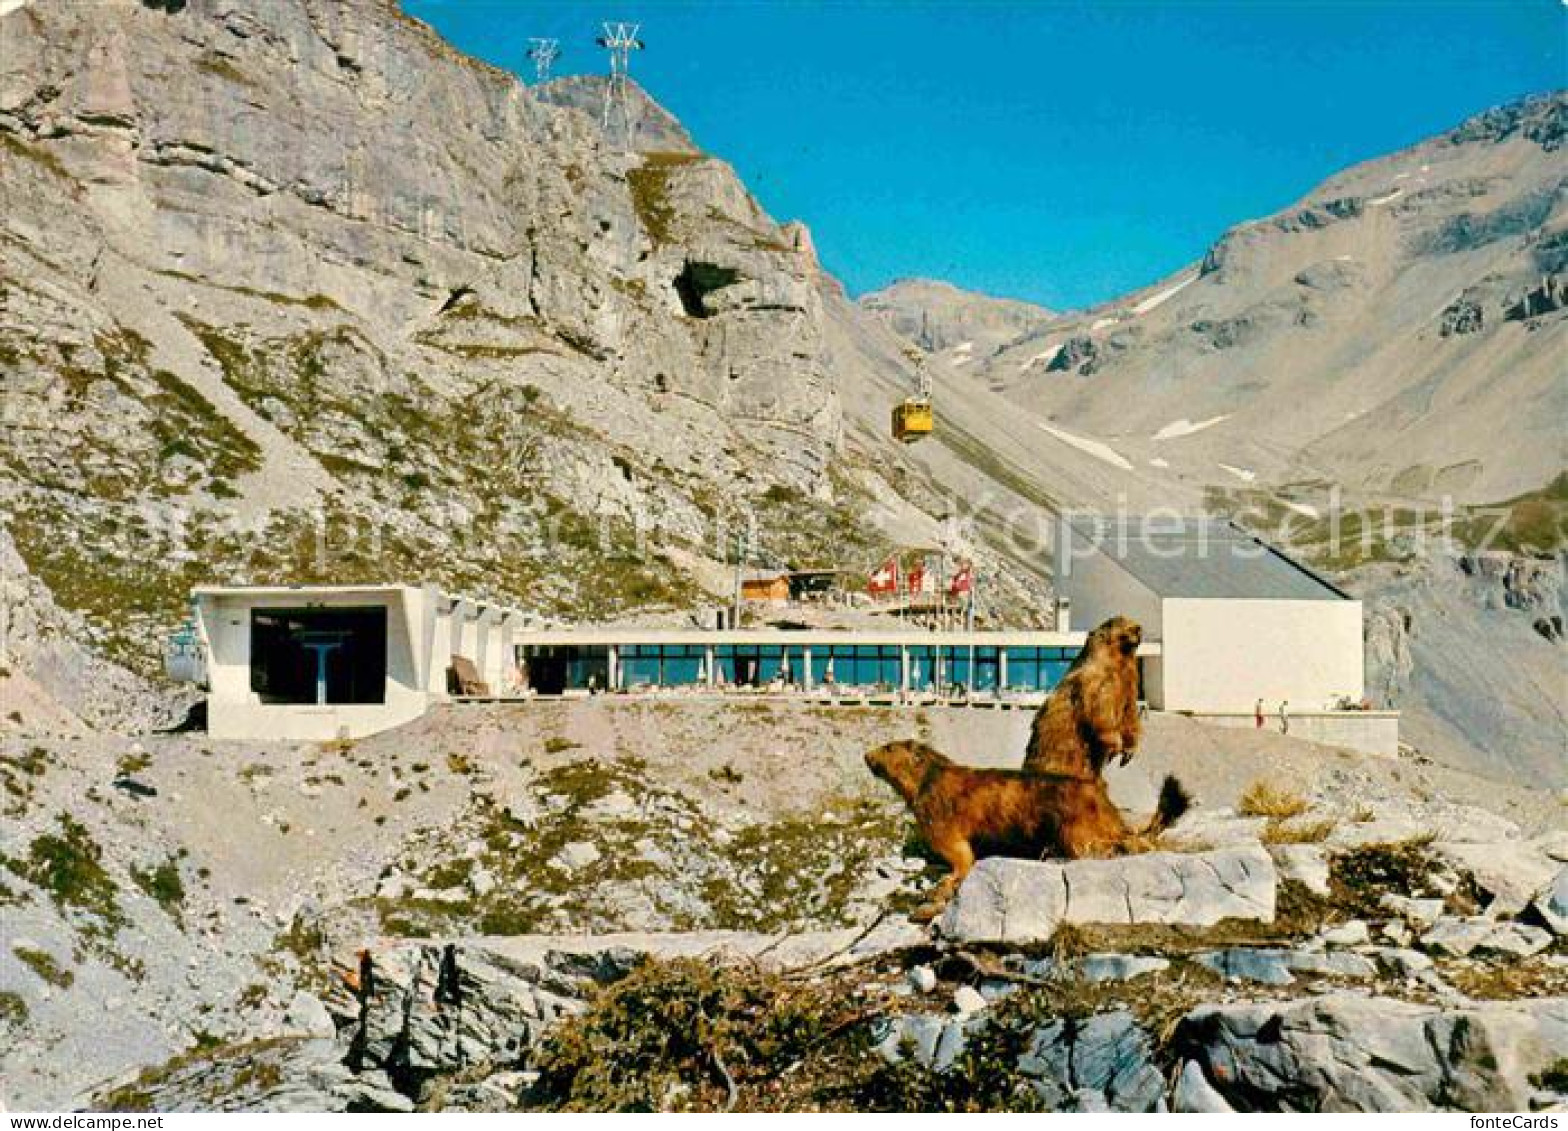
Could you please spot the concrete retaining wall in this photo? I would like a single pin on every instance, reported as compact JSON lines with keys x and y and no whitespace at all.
{"x":1370,"y":732}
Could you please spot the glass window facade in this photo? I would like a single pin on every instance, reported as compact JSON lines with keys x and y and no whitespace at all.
{"x":1037,"y":669}
{"x":860,"y":667}
{"x":662,"y":665}
{"x":978,"y":669}
{"x":553,"y":669}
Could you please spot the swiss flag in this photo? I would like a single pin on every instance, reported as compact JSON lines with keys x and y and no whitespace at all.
{"x":963,"y":581}
{"x":885,"y":579}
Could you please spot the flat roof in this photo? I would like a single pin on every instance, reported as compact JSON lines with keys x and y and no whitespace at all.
{"x":354,"y":589}
{"x":1202,"y":556}
{"x":763,"y":637}
{"x":294,"y":590}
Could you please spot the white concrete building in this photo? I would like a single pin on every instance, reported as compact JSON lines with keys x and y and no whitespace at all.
{"x":329,"y":661}
{"x":1228,"y":620}
{"x":1236,"y":620}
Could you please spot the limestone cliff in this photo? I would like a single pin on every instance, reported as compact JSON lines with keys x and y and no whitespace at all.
{"x":297,"y":291}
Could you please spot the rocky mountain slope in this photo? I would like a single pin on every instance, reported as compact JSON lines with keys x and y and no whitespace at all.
{"x":295,"y":291}
{"x":1393,"y":339}
{"x":300,"y":292}
{"x":1399,"y":331}
{"x":937,"y":316}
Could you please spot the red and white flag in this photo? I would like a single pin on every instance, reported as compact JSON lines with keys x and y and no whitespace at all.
{"x":916,"y":582}
{"x":963,"y":581}
{"x":884,"y":581}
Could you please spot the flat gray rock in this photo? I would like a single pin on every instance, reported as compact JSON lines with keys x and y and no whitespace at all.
{"x":1460,"y":937}
{"x":1277,"y":967}
{"x":1119,"y":967}
{"x":1017,"y":901}
{"x":1345,"y":1053}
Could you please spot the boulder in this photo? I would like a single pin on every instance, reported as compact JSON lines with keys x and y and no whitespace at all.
{"x":431,"y":1008}
{"x":1020,"y":901}
{"x":285,"y":1074}
{"x":1354,"y":932}
{"x":1511,"y":872}
{"x":1552,"y":904}
{"x":1307,"y":864}
{"x":922,"y":979}
{"x":373,"y":1092}
{"x":1249,"y":965}
{"x":578,"y":854}
{"x":1102,"y":1063}
{"x":1195,"y":1095}
{"x":968,"y":1000}
{"x":308,"y":1016}
{"x":1343,"y":1053}
{"x":1421,"y":912}
{"x":930,"y":1040}
{"x":1462,"y":936}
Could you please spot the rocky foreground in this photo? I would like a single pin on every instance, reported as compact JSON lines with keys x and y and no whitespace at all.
{"x":1382,"y":977}
{"x":525,"y":906}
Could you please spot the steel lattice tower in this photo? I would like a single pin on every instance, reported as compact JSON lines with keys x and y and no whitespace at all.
{"x":620,"y":40}
{"x":544,"y":53}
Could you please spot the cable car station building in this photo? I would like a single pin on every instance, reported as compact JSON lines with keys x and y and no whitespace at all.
{"x":1228,"y":620}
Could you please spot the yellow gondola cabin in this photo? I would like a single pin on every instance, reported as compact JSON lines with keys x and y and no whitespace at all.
{"x":912,"y":420}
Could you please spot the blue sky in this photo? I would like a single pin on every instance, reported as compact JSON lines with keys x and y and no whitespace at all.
{"x":1058,"y":152}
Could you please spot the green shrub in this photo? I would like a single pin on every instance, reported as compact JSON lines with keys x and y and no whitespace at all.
{"x":69,"y":867}
{"x":42,"y":963}
{"x":164,"y":885}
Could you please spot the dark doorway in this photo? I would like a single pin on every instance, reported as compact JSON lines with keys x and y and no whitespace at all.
{"x":319,"y":655}
{"x":557,"y":668}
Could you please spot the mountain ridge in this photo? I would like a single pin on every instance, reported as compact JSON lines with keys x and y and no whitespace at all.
{"x":1347,"y":267}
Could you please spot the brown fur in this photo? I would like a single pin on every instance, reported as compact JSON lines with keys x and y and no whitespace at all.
{"x":1092,"y":715}
{"x":966,"y":813}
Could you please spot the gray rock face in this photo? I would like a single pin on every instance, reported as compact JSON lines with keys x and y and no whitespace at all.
{"x":1373,"y":1054}
{"x":1473,"y":226}
{"x":655,"y":129}
{"x":285,"y":280}
{"x":1103,"y":1063}
{"x":431,"y":1009}
{"x":1005,"y":900}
